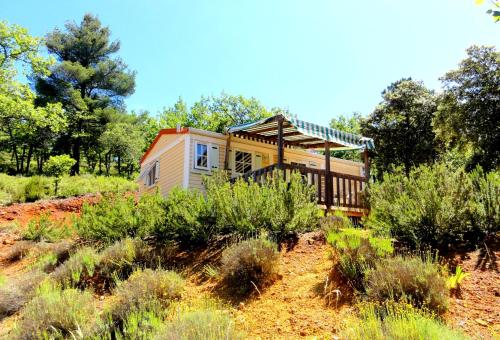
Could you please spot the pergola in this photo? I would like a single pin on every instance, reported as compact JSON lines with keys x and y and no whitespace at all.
{"x":286,"y":131}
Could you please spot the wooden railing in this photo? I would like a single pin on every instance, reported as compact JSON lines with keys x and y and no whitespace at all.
{"x":345,"y":190}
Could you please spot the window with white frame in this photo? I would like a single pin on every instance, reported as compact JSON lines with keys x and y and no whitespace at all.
{"x":201,"y":156}
{"x":242,"y":162}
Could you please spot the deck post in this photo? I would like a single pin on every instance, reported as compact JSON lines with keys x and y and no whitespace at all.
{"x":367,"y":165}
{"x":328,"y":177}
{"x":280,"y":143}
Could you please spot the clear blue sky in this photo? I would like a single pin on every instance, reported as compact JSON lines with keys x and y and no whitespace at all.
{"x":317,"y":58}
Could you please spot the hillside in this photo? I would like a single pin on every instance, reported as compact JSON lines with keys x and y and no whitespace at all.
{"x":295,"y":304}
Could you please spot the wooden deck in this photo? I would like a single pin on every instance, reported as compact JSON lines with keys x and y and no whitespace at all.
{"x":335,"y":191}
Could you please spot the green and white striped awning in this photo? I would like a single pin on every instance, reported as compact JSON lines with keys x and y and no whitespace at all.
{"x":302,"y":134}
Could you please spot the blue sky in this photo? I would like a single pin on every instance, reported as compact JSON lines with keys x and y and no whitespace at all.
{"x":319,"y":59}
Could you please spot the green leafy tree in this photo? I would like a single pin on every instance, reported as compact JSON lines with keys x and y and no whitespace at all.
{"x":58,"y":166}
{"x":85,"y":80}
{"x":401,"y":126}
{"x":469,"y":114}
{"x":494,"y":11}
{"x":214,"y":113}
{"x":348,"y":124}
{"x":24,"y":127}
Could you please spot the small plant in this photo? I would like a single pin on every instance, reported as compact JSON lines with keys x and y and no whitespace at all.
{"x":357,"y":251}
{"x":453,"y":283}
{"x":15,"y":293}
{"x":56,"y":313}
{"x":43,"y":229}
{"x":144,"y":288}
{"x":19,"y":250}
{"x":410,"y":279}
{"x":389,"y":320}
{"x":57,"y":166}
{"x":248,"y":264}
{"x":36,"y":188}
{"x":79,"y":266}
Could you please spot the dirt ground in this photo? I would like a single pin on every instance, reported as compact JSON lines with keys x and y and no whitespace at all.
{"x":295,"y":305}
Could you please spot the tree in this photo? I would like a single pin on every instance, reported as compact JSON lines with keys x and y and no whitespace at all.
{"x":348,"y":124}
{"x":58,"y":166}
{"x":85,"y":80}
{"x":495,"y":11}
{"x":469,"y":114}
{"x":214,"y":113}
{"x":401,"y":126}
{"x":24,"y":127}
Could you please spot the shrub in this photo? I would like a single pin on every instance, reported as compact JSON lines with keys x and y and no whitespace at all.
{"x":201,"y":324}
{"x":36,"y":188}
{"x":19,"y":250}
{"x":115,"y":217}
{"x":89,"y":184}
{"x":248,"y":263}
{"x":58,"y":166}
{"x":43,"y":229}
{"x":144,"y":288}
{"x":56,"y":313}
{"x":81,"y":265}
{"x":357,"y":251}
{"x":436,"y":206}
{"x":186,"y":217}
{"x":283,"y":208}
{"x":15,"y":293}
{"x":410,"y":279}
{"x":118,"y":260}
{"x":12,"y":188}
{"x":396,"y":321}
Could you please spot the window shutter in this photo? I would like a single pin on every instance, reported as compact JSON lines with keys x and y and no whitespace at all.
{"x":257,"y":162}
{"x":230,"y":165}
{"x":157,"y":170}
{"x":214,"y":156}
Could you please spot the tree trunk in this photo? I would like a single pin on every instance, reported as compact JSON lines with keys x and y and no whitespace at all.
{"x":76,"y":156}
{"x":23,"y":155}
{"x":119,"y":165}
{"x":28,"y":159}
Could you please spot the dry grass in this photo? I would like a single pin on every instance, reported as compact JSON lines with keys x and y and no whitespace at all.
{"x":15,"y":293}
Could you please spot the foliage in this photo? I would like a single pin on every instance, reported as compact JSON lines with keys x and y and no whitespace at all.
{"x":13,"y":189}
{"x":143,"y":289}
{"x":43,"y":229}
{"x":436,"y":206}
{"x":456,"y":279}
{"x":58,"y":166}
{"x":410,"y":279}
{"x":401,"y":126}
{"x":280,"y":207}
{"x":214,"y":113}
{"x":16,"y":292}
{"x":495,"y":11}
{"x":116,"y":217}
{"x":200,"y":324}
{"x":118,"y":260}
{"x":396,"y":321}
{"x":186,"y":217}
{"x":80,"y":266}
{"x":468,"y":113}
{"x":56,"y":313}
{"x":357,"y":251}
{"x":36,"y":188}
{"x":86,"y":79}
{"x":350,"y":124}
{"x":248,"y":263}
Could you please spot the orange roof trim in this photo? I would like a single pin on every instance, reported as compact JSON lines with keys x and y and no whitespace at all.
{"x":171,"y":131}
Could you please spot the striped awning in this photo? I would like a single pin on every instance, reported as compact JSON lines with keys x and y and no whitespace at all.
{"x":302,"y":134}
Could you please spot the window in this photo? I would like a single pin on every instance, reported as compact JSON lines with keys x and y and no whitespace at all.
{"x":152,"y":174}
{"x":201,"y":156}
{"x":242,"y":162}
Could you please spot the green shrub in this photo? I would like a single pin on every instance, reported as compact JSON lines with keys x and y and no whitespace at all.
{"x":280,"y":207}
{"x":396,"y":321}
{"x":116,"y":217}
{"x":436,"y":206}
{"x":58,"y":166}
{"x":144,"y":288}
{"x":119,"y":259}
{"x":357,"y":251}
{"x":186,"y":217}
{"x":90,"y":184}
{"x":36,"y":188}
{"x":43,"y":229}
{"x":410,"y":279}
{"x":56,"y":313}
{"x":209,"y":324}
{"x":141,"y":323}
{"x":12,"y":189}
{"x":248,"y":263}
{"x":80,"y":266}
